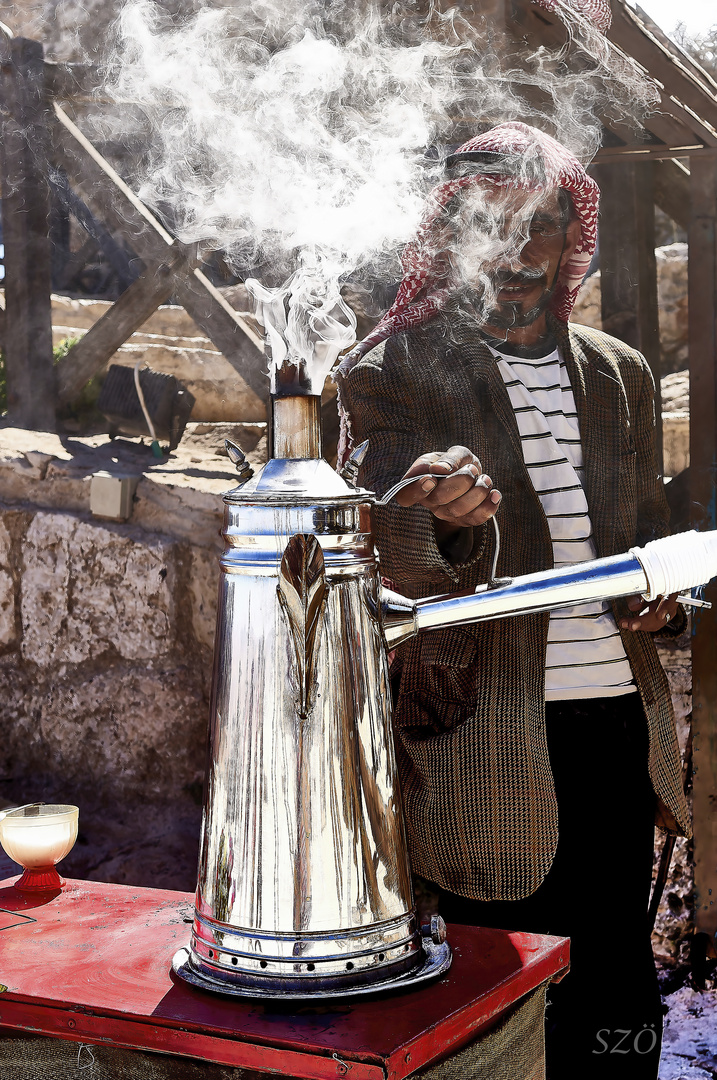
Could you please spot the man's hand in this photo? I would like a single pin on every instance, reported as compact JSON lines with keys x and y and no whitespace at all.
{"x":657,"y":614}
{"x":454,"y":488}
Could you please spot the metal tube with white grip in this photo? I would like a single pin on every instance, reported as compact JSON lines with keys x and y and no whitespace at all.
{"x":660,"y":568}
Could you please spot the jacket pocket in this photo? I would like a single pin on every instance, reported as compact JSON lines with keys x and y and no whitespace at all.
{"x":439,"y":692}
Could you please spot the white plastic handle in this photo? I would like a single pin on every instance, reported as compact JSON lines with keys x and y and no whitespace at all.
{"x":678,"y":562}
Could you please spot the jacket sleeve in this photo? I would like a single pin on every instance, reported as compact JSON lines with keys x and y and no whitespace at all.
{"x":385,"y":407}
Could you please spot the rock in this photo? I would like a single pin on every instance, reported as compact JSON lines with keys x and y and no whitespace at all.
{"x":179,"y":495}
{"x":220,"y":392}
{"x":169,"y":320}
{"x":689,"y":1045}
{"x":587,"y":305}
{"x":89,"y":589}
{"x":105,"y":646}
{"x":210,"y":437}
{"x":106,"y":734}
{"x":672,"y":299}
{"x":203,"y":588}
{"x":675,"y":389}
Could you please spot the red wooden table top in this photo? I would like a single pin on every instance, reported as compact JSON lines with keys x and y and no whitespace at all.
{"x":93,"y":964}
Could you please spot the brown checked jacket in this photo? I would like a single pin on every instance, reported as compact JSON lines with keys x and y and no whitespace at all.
{"x":477,"y":788}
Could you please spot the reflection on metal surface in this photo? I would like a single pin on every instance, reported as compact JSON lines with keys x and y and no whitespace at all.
{"x":603,"y":579}
{"x":350,"y":470}
{"x":302,"y":592}
{"x":303,"y":883}
{"x":296,"y":426}
{"x":662,"y":566}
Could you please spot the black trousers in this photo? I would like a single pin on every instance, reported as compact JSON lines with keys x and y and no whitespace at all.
{"x":604,"y":1018}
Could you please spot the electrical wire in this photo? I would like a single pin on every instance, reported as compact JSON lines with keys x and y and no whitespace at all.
{"x":156,"y":448}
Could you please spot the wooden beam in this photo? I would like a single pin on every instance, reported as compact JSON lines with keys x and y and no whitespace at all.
{"x":126,"y":315}
{"x":672,"y":123}
{"x":25,"y":217}
{"x":678,"y":79}
{"x":703,"y":473}
{"x":110,"y":197}
{"x":124,"y":266}
{"x":628,"y":270}
{"x":672,"y":191}
{"x":698,"y":72}
{"x":640,"y":152}
{"x":77,"y":261}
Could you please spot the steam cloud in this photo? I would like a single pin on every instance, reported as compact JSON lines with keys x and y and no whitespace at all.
{"x":298,"y":136}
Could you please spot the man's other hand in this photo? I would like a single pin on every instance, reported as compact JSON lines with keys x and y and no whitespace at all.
{"x":453,"y":487}
{"x":656,"y":614}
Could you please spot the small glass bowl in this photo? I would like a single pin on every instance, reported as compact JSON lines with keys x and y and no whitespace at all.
{"x":38,"y":837}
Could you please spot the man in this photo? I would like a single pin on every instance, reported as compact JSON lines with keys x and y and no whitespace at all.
{"x":534,"y":752}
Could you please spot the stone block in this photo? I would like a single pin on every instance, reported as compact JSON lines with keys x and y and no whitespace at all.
{"x":203,"y":589}
{"x":675,"y":442}
{"x":122,"y":736}
{"x":89,"y":590}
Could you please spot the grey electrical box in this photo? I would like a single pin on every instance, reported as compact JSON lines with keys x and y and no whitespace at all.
{"x":112,"y":496}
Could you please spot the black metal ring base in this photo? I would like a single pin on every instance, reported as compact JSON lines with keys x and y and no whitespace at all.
{"x":436,"y":961}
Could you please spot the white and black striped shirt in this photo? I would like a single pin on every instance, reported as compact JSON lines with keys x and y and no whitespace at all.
{"x":585,"y":656}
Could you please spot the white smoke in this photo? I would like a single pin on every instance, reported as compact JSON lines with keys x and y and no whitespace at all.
{"x":300,"y":131}
{"x":307,"y":325}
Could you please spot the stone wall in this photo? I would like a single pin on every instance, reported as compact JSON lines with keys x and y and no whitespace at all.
{"x":106,"y":632}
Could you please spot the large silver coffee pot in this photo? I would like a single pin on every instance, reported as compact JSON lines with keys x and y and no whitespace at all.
{"x":304,"y":885}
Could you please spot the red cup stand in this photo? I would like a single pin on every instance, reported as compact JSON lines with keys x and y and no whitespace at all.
{"x":39,"y":879}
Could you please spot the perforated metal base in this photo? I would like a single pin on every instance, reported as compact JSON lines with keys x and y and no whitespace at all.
{"x":436,"y":960}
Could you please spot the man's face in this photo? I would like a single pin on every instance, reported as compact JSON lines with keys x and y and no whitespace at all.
{"x":523,"y":290}
{"x":513,"y":244}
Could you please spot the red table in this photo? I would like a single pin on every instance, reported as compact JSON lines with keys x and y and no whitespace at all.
{"x":92,"y":964}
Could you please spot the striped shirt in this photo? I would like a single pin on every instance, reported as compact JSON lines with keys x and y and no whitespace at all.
{"x":585,"y":656}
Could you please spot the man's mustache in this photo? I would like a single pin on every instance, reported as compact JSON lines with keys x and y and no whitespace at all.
{"x":527,"y":278}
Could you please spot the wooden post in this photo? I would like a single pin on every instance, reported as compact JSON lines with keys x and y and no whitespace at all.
{"x":25,"y":216}
{"x":628,"y":271}
{"x":703,"y":472}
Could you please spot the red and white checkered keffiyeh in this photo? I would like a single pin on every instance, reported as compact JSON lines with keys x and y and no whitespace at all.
{"x":421,"y":296}
{"x":598,"y":11}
